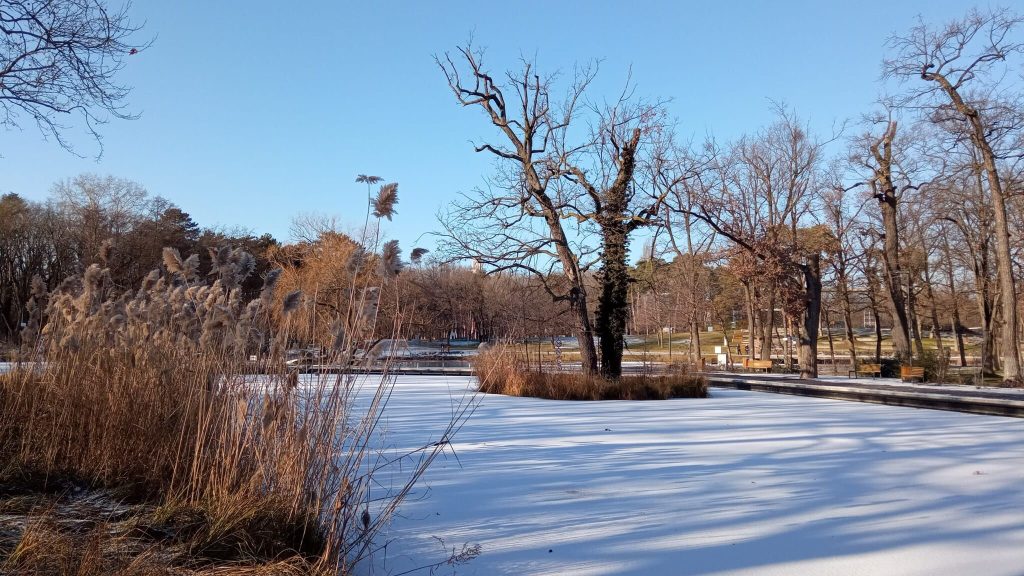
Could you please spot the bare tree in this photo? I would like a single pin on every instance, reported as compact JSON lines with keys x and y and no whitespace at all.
{"x":763,"y":199}
{"x":101,"y":208}
{"x":887,"y":185}
{"x":62,"y":57}
{"x":843,"y":220}
{"x":547,"y":179}
{"x":951,"y":286}
{"x":35,"y":241}
{"x":681,"y":175}
{"x":966,"y":205}
{"x":961,"y":62}
{"x":606,"y":171}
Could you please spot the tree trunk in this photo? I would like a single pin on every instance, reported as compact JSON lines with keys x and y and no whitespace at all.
{"x":885,"y":193}
{"x":1004,"y":273}
{"x":913,"y":317}
{"x":612,"y":302}
{"x":831,"y":343}
{"x":577,"y":296}
{"x":878,"y":333}
{"x":811,"y":318}
{"x":958,"y":333}
{"x":613,"y":218}
{"x":584,"y":332}
{"x":986,"y":308}
{"x":851,"y":340}
{"x":933,"y":309}
{"x":767,"y":325}
{"x":893,"y":280}
{"x":955,"y":305}
{"x":696,"y":341}
{"x":985,"y":299}
{"x":748,"y":292}
{"x":1004,"y":257}
{"x":873,"y":289}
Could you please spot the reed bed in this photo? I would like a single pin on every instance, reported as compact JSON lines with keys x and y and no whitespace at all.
{"x":171,"y":405}
{"x":501,"y":371}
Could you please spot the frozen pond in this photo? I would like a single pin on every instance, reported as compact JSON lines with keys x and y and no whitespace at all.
{"x":741,"y":483}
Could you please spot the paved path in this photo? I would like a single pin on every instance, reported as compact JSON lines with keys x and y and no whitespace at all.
{"x":977,"y":400}
{"x":955,"y":397}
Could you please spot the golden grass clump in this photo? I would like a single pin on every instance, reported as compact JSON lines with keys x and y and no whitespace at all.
{"x":500,"y":371}
{"x":176,"y":397}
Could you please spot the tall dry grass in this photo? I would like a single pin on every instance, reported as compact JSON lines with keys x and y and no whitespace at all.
{"x":150,"y":394}
{"x":501,"y":371}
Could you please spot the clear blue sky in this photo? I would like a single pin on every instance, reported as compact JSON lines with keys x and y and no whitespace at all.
{"x":256,"y":111}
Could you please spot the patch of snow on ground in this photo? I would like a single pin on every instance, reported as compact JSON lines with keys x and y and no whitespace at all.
{"x":742,"y":483}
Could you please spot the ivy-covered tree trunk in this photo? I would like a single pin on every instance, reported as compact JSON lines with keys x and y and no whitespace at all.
{"x":808,"y":350}
{"x":616,"y":224}
{"x":613,"y":301}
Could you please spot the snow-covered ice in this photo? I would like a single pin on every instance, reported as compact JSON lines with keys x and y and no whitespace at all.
{"x":742,"y":483}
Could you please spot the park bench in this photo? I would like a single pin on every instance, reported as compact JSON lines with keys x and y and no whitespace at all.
{"x":910,"y":373}
{"x":873,"y":370}
{"x":968,"y":374}
{"x":751,"y":364}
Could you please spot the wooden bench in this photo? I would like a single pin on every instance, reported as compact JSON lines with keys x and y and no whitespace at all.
{"x":751,"y":364}
{"x":873,"y":370}
{"x":975,"y":374}
{"x":910,"y":373}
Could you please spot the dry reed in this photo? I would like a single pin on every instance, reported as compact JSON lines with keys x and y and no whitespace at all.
{"x":150,"y":394}
{"x":500,"y":371}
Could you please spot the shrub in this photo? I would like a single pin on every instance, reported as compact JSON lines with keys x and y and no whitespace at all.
{"x":936,"y":365}
{"x":501,"y":372}
{"x":890,"y":367}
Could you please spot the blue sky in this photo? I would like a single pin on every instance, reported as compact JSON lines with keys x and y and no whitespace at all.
{"x":253,"y":112}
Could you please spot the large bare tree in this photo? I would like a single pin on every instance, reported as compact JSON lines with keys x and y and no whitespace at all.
{"x":962,"y":62}
{"x":558,"y":186}
{"x":60,"y":58}
{"x":881,"y":155}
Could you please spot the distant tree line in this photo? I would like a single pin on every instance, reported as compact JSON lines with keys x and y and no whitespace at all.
{"x":103,"y":219}
{"x":89,"y":218}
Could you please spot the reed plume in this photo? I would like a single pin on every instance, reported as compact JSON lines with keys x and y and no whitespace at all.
{"x":291,"y":301}
{"x":417,"y":254}
{"x":172,"y":260}
{"x":390,"y":259}
{"x":385,"y":200}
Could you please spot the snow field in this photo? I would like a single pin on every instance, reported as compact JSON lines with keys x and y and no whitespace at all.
{"x":741,"y":483}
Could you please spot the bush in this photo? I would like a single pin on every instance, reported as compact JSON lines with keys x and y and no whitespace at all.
{"x":500,"y":372}
{"x":890,"y":368}
{"x":936,"y":365}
